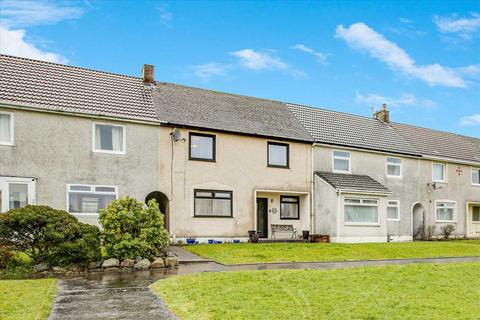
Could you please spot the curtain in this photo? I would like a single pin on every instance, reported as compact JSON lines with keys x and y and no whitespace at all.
{"x":117,"y":138}
{"x":213,"y":207}
{"x":4,"y":127}
{"x":289,"y":210}
{"x":98,"y":134}
{"x":361,"y":214}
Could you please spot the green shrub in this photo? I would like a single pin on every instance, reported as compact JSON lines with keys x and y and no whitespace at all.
{"x":131,"y":229}
{"x":49,"y":235}
{"x":447,"y":230}
{"x":7,"y":256}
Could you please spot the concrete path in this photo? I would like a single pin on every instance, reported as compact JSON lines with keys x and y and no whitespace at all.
{"x":185,"y":256}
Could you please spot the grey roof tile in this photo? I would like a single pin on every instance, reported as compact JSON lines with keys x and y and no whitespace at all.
{"x":59,"y":87}
{"x":352,"y":182}
{"x":439,"y":143}
{"x":186,"y":106}
{"x":344,"y":129}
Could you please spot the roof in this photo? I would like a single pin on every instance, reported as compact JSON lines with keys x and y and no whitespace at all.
{"x":439,"y":143}
{"x":352,"y":182}
{"x":345,"y":129}
{"x":59,"y":87}
{"x":186,"y":106}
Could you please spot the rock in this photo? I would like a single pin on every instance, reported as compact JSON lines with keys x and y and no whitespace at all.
{"x":127,"y":263}
{"x":111,"y":270}
{"x":58,"y":270}
{"x":95,"y":265}
{"x":143,"y":264}
{"x":157,"y":263}
{"x":171,"y":261}
{"x":69,"y":273}
{"x":40,"y":267}
{"x":109,"y":263}
{"x":138,"y":259}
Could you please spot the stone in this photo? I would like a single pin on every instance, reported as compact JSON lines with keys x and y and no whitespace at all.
{"x":58,"y":270}
{"x":157,"y":263}
{"x":69,"y":273}
{"x":41,"y":267}
{"x":111,"y":270}
{"x":127,"y":263}
{"x":143,"y":264}
{"x":137,"y":259}
{"x":95,"y":265}
{"x":171,"y":261}
{"x":109,"y":263}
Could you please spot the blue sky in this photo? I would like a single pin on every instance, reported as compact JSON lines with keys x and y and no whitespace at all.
{"x":420,"y":57}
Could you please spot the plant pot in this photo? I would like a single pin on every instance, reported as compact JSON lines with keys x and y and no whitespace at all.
{"x":190,"y":241}
{"x":305,"y":234}
{"x":255,"y":238}
{"x":211,"y":241}
{"x":236,"y":241}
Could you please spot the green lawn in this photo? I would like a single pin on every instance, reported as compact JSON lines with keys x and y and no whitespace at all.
{"x":286,"y":252}
{"x":415,"y":291}
{"x":26,"y":299}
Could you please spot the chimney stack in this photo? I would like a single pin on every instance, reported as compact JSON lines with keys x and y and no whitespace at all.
{"x":148,"y":73}
{"x":383,"y":115}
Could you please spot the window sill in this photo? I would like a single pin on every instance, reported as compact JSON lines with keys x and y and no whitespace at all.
{"x":202,"y":160}
{"x":394,"y":220}
{"x":7,"y":144}
{"x":339,"y":171}
{"x":475,"y":185}
{"x":362,"y":224}
{"x":213,"y":217}
{"x":277,"y":167}
{"x":289,"y":218}
{"x":439,"y":181}
{"x":445,"y":221}
{"x":122,"y":153}
{"x":394,"y":177}
{"x":79,"y":214}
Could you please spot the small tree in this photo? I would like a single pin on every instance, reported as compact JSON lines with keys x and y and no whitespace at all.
{"x":131,"y":229}
{"x":447,"y":230}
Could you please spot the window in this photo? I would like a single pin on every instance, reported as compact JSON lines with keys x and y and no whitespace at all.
{"x":278,"y":155}
{"x":213,"y":203}
{"x":88,"y":199}
{"x":361,"y":211}
{"x":202,"y":147}
{"x":476,"y":214}
{"x":445,"y":211}
{"x":476,"y":176}
{"x":341,"y":161}
{"x":108,"y":138}
{"x":438,"y":172}
{"x":393,"y":210}
{"x":289,"y":207}
{"x":394,"y":167}
{"x":6,"y":128}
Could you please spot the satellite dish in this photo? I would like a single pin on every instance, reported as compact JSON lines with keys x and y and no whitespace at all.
{"x":176,"y":135}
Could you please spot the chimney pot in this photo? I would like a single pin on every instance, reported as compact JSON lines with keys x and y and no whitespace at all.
{"x":148,"y":73}
{"x":383,"y":115}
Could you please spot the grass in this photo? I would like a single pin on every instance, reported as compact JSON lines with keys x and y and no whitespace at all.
{"x":288,"y":252}
{"x":415,"y":291}
{"x":22,"y":268}
{"x":26,"y":299}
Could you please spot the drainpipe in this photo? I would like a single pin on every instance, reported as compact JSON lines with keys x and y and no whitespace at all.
{"x":338,"y":214}
{"x":312,"y":193}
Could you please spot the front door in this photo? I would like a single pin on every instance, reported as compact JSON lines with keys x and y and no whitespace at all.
{"x":474,"y":221}
{"x":262,"y":217}
{"x":16,"y":192}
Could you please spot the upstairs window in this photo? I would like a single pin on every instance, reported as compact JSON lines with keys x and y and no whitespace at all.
{"x":212,"y":203}
{"x":202,"y":147}
{"x":361,"y":211}
{"x":278,"y":155}
{"x":394,"y":167}
{"x":289,"y":207}
{"x":341,"y":161}
{"x":476,"y":176}
{"x":445,"y":211}
{"x":88,"y":199}
{"x":6,"y":128}
{"x":438,"y":172}
{"x":393,"y":210}
{"x":108,"y":138}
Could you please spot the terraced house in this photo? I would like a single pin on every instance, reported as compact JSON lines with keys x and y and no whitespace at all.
{"x":221,"y":164}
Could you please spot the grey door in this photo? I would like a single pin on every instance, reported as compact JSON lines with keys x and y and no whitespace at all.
{"x":262,"y":217}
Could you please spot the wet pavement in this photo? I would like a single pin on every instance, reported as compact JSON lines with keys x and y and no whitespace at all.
{"x":126,"y":295}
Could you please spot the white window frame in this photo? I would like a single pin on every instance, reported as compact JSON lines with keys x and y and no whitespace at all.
{"x":92,"y":191}
{"x":124,"y":136}
{"x":349,"y":158}
{"x":444,"y":172}
{"x":454,"y":211}
{"x":396,"y":165}
{"x":396,"y":205}
{"x":352,"y":223}
{"x":5,"y":188}
{"x":12,"y":130}
{"x":471,"y":176}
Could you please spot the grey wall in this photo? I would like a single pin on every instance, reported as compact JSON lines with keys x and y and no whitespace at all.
{"x":57,"y":150}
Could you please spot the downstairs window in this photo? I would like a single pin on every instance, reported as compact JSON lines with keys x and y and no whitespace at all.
{"x":361,"y":211}
{"x":213,"y":203}
{"x":89,"y":199}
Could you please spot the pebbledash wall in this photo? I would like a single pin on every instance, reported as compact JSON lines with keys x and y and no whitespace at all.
{"x":240,"y":167}
{"x":56,"y":149}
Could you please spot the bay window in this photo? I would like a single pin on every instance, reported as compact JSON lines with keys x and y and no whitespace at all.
{"x":361,"y":211}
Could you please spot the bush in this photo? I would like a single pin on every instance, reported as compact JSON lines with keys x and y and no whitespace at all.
{"x":7,"y":256}
{"x":49,"y":235}
{"x":131,"y":229}
{"x":447,"y":230}
{"x":430,"y":232}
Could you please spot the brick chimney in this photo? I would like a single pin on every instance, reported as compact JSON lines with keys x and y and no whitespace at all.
{"x":148,"y":73}
{"x":383,"y":115}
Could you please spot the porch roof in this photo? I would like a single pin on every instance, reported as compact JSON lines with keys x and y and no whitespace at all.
{"x":352,"y":182}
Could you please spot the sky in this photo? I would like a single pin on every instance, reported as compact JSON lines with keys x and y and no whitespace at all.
{"x":422,"y":58}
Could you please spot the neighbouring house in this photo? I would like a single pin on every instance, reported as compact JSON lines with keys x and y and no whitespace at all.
{"x":220,"y":165}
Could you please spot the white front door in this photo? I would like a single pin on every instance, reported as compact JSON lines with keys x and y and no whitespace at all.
{"x":474,"y":220}
{"x":16,"y":192}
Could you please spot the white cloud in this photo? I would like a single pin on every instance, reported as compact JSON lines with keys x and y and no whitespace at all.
{"x":209,"y":70}
{"x":406,"y":99}
{"x":166,"y":16}
{"x":12,"y":42}
{"x":473,"y":120}
{"x":463,"y":27}
{"x":318,"y":55}
{"x":21,"y":14}
{"x":256,"y":60}
{"x":362,"y":37}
